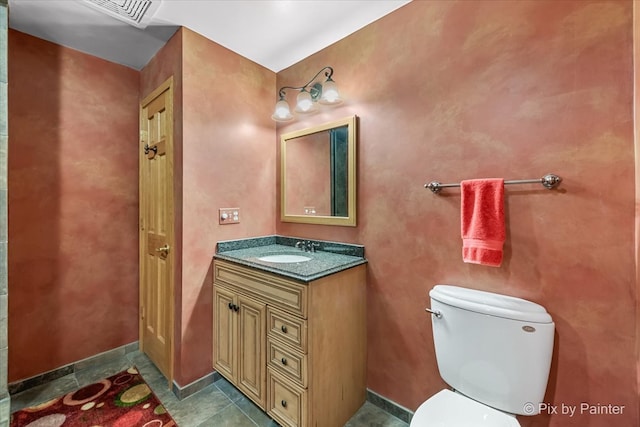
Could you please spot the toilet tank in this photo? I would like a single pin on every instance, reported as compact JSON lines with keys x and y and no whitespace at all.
{"x":493,"y":348}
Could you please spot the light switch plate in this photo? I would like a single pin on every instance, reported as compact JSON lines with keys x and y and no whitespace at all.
{"x":229,"y":215}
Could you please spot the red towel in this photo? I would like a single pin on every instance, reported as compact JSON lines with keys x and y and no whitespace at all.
{"x":482,"y":219}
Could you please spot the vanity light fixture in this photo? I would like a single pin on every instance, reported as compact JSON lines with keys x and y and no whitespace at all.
{"x":310,"y":93}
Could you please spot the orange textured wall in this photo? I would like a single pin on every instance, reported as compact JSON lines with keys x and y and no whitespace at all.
{"x":636,"y":120}
{"x":73,"y":206}
{"x":229,"y":150}
{"x":454,"y":90}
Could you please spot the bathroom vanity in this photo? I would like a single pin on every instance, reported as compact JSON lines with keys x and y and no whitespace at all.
{"x":291,"y":335}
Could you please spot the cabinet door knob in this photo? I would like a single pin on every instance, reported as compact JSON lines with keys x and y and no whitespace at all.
{"x":284,"y":403}
{"x":230,"y":305}
{"x":284,"y":329}
{"x":236,"y":308}
{"x":284,"y":360}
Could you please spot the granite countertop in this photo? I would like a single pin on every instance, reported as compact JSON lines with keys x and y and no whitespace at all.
{"x":331,"y":257}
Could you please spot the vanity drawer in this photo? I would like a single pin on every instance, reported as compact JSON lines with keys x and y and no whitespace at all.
{"x":274,"y":290}
{"x":289,"y":329}
{"x":291,"y":364}
{"x":287,"y":403}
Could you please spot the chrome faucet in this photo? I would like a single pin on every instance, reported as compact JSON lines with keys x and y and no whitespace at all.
{"x":307,"y":245}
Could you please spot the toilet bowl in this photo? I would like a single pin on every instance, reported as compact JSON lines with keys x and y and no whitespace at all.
{"x":494,"y":351}
{"x":450,"y":409}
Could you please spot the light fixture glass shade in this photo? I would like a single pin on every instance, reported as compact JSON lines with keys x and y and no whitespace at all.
{"x":304,"y":102}
{"x":330,"y":94}
{"x":282,"y":112}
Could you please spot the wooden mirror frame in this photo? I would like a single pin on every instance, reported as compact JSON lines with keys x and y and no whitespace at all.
{"x":350,"y":220}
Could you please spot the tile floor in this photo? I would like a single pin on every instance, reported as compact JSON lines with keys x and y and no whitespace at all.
{"x":218,"y":405}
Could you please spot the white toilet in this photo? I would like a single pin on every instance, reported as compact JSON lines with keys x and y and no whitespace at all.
{"x":494,"y":351}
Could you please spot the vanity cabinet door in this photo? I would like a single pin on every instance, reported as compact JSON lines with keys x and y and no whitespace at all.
{"x":239,"y":342}
{"x":224,"y":336}
{"x":251,"y":349}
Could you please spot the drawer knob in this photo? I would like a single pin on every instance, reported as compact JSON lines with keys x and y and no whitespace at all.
{"x":284,"y":329}
{"x":284,"y":360}
{"x":284,"y":403}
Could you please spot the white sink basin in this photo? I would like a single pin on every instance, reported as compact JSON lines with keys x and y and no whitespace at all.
{"x":284,"y":258}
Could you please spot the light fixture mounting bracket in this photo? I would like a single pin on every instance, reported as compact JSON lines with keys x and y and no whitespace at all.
{"x":328,"y":73}
{"x":315,"y":90}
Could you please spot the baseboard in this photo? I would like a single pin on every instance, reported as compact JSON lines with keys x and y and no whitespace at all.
{"x":389,"y":406}
{"x":22,"y":385}
{"x":195,"y":386}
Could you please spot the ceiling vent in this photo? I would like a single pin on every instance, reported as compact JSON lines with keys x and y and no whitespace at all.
{"x":134,"y":12}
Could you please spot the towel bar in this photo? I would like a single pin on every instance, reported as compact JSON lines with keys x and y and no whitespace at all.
{"x":549,"y":181}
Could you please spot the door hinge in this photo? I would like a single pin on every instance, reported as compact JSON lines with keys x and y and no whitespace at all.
{"x":143,"y":136}
{"x":142,"y":312}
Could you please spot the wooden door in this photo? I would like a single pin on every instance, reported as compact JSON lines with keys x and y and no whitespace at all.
{"x":224,"y":335}
{"x":156,"y":228}
{"x":252,"y":363}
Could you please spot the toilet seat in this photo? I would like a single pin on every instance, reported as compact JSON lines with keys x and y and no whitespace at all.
{"x":450,"y":409}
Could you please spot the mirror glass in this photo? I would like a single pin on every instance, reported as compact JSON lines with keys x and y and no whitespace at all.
{"x":318,"y":174}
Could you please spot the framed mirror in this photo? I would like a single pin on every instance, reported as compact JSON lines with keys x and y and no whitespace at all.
{"x":318,"y":174}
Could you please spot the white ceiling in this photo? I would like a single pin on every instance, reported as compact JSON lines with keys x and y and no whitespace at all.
{"x":273,"y":33}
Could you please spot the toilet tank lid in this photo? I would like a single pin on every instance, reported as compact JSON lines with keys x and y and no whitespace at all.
{"x":490,"y":303}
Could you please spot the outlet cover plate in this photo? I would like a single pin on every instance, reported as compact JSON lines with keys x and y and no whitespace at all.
{"x":228,"y":216}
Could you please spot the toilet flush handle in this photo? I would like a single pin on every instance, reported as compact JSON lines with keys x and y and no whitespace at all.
{"x":434,"y":312}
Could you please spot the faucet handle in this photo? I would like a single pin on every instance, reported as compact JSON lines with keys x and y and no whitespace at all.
{"x":302,"y":245}
{"x":313,"y":246}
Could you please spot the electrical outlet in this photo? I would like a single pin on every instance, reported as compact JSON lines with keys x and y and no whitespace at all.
{"x":229,"y":215}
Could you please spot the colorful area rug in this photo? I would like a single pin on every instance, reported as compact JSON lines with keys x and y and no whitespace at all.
{"x":123,"y":400}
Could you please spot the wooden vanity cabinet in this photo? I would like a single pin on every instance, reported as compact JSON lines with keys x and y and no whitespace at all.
{"x":299,"y":349}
